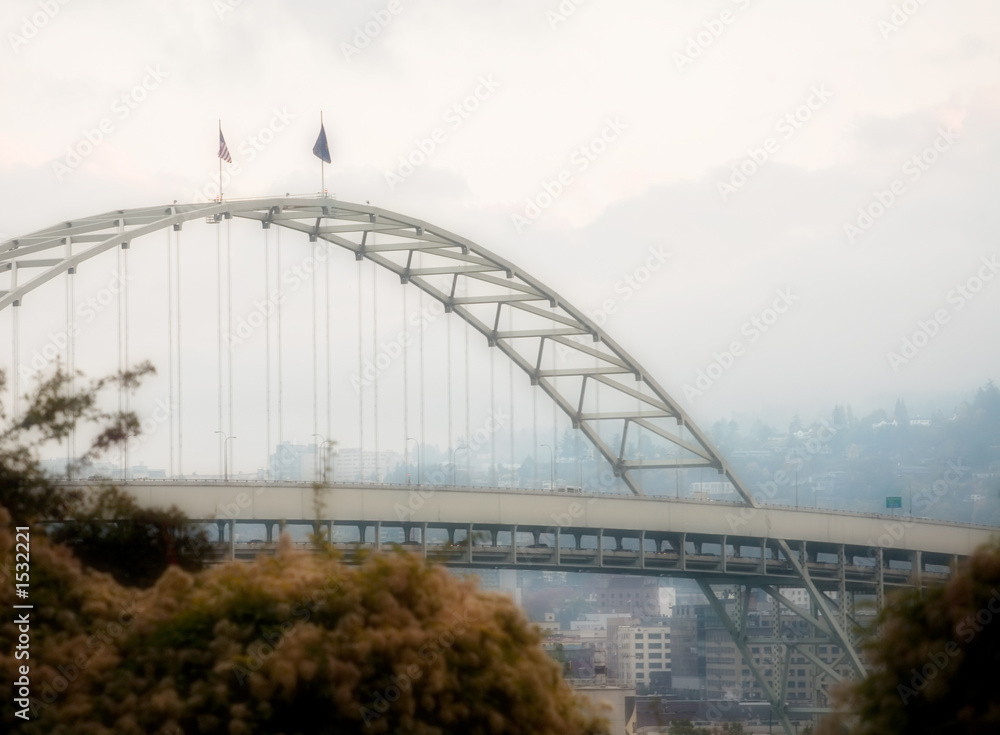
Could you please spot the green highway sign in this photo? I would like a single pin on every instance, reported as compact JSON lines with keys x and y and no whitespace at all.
{"x":894,"y":501}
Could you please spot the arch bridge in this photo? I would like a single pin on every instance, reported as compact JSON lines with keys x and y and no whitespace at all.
{"x":615,"y":404}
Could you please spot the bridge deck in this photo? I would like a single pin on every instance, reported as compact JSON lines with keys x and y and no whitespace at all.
{"x":587,"y":532}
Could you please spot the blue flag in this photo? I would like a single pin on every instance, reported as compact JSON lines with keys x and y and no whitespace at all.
{"x":321,"y":150}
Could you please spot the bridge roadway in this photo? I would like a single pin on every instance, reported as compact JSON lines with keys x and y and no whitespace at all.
{"x":643,"y":535}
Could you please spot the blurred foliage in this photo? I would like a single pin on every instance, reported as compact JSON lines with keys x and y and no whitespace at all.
{"x":935,"y":660}
{"x":111,"y":533}
{"x":53,"y":412}
{"x":104,"y":526}
{"x":295,"y":643}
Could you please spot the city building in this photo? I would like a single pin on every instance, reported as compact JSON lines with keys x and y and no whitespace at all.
{"x":304,"y":463}
{"x":706,"y":663}
{"x":643,"y":652}
{"x":632,"y":596}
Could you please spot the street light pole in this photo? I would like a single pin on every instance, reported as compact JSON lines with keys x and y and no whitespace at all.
{"x":455,"y":451}
{"x":419,"y":462}
{"x":225,"y":454}
{"x":326,"y":454}
{"x":552,"y":466}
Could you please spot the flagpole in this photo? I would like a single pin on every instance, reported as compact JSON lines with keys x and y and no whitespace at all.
{"x":220,"y":161}
{"x":322,"y":163}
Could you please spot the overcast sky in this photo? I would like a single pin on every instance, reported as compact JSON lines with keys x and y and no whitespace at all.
{"x":836,"y":160}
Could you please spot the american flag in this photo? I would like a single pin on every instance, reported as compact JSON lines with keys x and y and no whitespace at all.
{"x":224,"y":149}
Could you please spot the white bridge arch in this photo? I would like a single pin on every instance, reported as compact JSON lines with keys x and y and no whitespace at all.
{"x":632,"y":400}
{"x":596,"y":382}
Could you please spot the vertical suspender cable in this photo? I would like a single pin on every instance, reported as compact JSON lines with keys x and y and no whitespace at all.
{"x":361,"y":383}
{"x":423,"y":414}
{"x":218,"y":310}
{"x":281,"y":395}
{"x":170,"y":346}
{"x":329,"y":409}
{"x":534,"y":434}
{"x":125,"y":355}
{"x":375,"y":369}
{"x":598,"y":424}
{"x":555,"y":418}
{"x":267,"y":347}
{"x":448,"y":445}
{"x":69,"y":370}
{"x":180,"y":373}
{"x":468,"y":436}
{"x":510,"y":394}
{"x":317,"y":464}
{"x":15,"y":387}
{"x":229,"y":330}
{"x":492,"y":426}
{"x":71,"y":343}
{"x":406,"y":380}
{"x":121,"y":369}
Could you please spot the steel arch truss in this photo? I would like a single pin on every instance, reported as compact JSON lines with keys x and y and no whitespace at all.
{"x":626,"y":415}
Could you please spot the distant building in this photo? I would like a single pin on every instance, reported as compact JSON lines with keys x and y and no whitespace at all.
{"x":706,"y":664}
{"x":633,"y":596}
{"x":304,"y":463}
{"x":643,"y":650}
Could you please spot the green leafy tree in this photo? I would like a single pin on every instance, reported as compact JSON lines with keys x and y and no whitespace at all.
{"x":934,"y":660}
